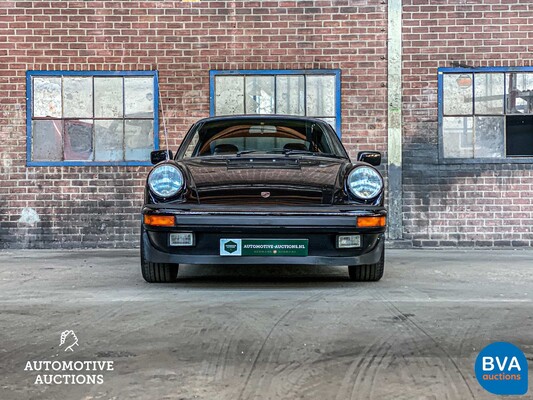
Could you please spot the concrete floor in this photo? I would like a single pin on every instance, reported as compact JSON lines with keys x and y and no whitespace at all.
{"x":263,"y":332}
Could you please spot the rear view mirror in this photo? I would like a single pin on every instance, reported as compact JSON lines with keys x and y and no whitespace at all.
{"x":157,"y":156}
{"x":370,"y":157}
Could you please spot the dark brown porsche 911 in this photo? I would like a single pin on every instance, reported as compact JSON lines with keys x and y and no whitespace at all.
{"x":263,"y":190}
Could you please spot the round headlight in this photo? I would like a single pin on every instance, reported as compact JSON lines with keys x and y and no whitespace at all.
{"x":365,"y":182}
{"x":165,"y":180}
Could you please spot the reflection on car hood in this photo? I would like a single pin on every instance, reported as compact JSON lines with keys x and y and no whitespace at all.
{"x":265,"y":180}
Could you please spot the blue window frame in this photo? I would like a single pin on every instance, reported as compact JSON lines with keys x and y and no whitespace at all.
{"x":485,"y":114}
{"x":81,"y":118}
{"x":315,"y":93}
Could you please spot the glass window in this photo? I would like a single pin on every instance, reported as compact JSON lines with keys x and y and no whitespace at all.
{"x":458,"y":94}
{"x":88,"y":117}
{"x":519,"y":135}
{"x":320,"y":95}
{"x":249,"y":135}
{"x":47,"y":97}
{"x":519,"y":93}
{"x":290,"y":94}
{"x":138,"y":139}
{"x":108,"y":140}
{"x":229,"y":95}
{"x":312,"y":93}
{"x":77,"y":97}
{"x":259,"y":94}
{"x":139,"y":97}
{"x":78,"y":140}
{"x":47,"y":140}
{"x":108,"y":97}
{"x":489,"y":93}
{"x":485,"y":113}
{"x":489,"y":137}
{"x":458,"y":135}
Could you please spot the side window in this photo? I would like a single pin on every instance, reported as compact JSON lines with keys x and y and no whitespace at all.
{"x":314,"y":93}
{"x":91,"y":118}
{"x":486,"y":113}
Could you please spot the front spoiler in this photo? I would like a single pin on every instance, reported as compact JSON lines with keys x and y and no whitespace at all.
{"x":154,"y":255}
{"x":319,"y":223}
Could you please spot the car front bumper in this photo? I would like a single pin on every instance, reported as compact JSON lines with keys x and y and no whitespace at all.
{"x":319,"y":225}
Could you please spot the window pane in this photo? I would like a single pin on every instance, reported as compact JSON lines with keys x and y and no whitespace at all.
{"x":519,"y":93}
{"x":47,"y":140}
{"x":47,"y":97}
{"x":109,"y":140}
{"x":139,"y":139}
{"x":77,"y":97}
{"x":489,"y":137}
{"x":489,"y":93}
{"x":229,"y":95}
{"x":78,"y":140}
{"x":457,"y":137}
{"x":320,"y":95}
{"x":108,"y":97}
{"x":519,"y":135}
{"x":457,"y":94}
{"x":290,"y":95}
{"x":259,"y":95}
{"x":139,"y":97}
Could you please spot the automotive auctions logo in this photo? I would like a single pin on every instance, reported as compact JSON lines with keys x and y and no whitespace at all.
{"x":230,"y":247}
{"x":501,"y":368}
{"x":69,"y":372}
{"x":68,"y":335}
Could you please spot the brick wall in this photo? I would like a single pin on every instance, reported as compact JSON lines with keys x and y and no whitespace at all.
{"x":99,"y":206}
{"x":462,"y":204}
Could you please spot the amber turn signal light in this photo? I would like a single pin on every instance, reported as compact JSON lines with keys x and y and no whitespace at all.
{"x":159,"y":220}
{"x":371,"y":222}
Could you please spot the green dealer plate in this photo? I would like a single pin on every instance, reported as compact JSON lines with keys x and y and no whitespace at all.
{"x":264,"y":247}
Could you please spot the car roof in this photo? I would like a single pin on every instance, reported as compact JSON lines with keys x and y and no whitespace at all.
{"x":266,"y":117}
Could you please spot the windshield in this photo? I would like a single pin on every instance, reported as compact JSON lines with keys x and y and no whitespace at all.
{"x":244,"y":136}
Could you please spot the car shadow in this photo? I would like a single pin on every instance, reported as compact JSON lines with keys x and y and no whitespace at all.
{"x":263,"y":276}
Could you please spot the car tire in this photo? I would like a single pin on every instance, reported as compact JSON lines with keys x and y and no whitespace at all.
{"x":157,"y":272}
{"x":368,"y":272}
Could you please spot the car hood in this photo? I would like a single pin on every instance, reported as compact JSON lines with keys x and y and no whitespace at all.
{"x":265,"y":180}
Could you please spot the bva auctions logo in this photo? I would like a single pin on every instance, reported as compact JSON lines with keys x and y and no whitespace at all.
{"x":501,"y":368}
{"x":230,"y":247}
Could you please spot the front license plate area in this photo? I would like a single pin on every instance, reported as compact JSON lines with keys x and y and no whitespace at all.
{"x":264,"y":247}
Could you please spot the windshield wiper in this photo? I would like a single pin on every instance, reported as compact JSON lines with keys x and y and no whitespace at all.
{"x":289,"y":152}
{"x":239,"y":153}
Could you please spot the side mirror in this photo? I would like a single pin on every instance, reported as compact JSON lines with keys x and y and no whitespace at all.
{"x":157,"y":156}
{"x":370,"y":157}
